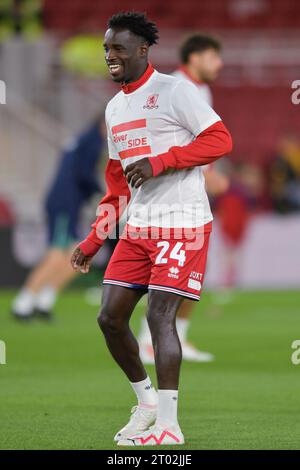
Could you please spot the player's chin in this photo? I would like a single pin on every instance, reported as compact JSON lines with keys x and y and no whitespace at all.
{"x":117,"y":77}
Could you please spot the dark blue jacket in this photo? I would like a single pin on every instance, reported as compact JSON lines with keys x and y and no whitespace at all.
{"x":77,"y":177}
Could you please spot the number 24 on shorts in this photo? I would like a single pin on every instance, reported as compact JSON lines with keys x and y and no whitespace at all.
{"x":176,"y":253}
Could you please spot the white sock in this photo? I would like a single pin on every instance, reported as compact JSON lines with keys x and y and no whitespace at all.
{"x":167,"y":408}
{"x":145,"y":392}
{"x":182,"y":325}
{"x":145,"y":335}
{"x":24,"y":302}
{"x":46,"y":298}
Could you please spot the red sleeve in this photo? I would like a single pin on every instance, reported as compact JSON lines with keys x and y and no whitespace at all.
{"x":109,"y":209}
{"x":213,"y":143}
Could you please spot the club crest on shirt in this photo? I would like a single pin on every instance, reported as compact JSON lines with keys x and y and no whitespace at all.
{"x":151,"y":102}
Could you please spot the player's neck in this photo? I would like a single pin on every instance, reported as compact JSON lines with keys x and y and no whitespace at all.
{"x":138,"y":74}
{"x":143,"y":77}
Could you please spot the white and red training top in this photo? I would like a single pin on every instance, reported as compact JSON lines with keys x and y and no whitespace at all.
{"x":164,"y":119}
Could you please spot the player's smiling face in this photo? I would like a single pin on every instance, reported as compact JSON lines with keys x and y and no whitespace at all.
{"x":125,"y":54}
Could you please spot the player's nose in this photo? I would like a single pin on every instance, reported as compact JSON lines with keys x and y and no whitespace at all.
{"x":110,"y":56}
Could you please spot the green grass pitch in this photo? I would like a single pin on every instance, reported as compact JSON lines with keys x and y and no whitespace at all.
{"x":60,"y":389}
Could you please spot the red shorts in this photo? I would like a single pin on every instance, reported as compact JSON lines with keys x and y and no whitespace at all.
{"x":171,"y":264}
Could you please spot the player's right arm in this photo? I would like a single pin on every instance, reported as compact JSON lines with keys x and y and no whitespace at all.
{"x":109,"y":211}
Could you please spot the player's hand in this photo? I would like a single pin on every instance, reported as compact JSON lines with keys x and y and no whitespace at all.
{"x":80,"y":263}
{"x":139,"y":172}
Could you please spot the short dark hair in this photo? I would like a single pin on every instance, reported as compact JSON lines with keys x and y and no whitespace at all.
{"x":197,"y":43}
{"x":137,"y":23}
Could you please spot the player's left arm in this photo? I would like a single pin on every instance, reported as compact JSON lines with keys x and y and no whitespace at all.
{"x":210,"y":145}
{"x":212,"y":139}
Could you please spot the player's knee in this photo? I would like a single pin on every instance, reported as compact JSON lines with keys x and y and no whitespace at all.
{"x":153,"y":319}
{"x":158,"y":317}
{"x":108,"y":322}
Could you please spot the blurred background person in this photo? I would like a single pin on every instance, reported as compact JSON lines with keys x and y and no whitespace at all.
{"x":233,"y":210}
{"x":284,"y":175}
{"x":76,"y":180}
{"x":201,"y":63}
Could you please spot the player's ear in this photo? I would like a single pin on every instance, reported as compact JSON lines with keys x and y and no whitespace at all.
{"x":143,"y":50}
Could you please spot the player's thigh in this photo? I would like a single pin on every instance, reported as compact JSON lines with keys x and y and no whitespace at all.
{"x":129,"y":266}
{"x":118,"y":304}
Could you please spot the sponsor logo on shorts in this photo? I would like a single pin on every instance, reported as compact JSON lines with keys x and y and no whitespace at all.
{"x":173,"y":272}
{"x":195,"y":275}
{"x":193,"y":284}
